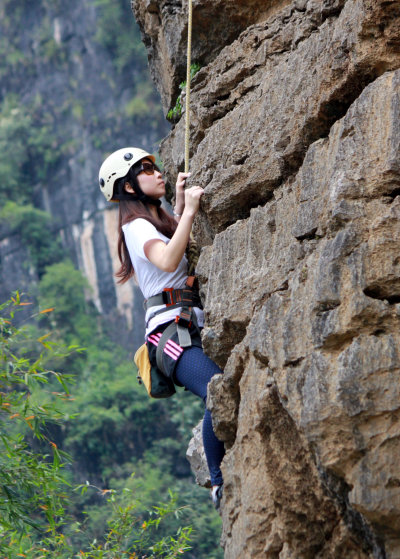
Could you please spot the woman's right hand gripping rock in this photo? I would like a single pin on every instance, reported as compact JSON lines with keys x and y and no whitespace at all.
{"x":192,"y":200}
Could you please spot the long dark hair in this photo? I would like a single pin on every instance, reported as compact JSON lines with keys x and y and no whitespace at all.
{"x":130,"y":209}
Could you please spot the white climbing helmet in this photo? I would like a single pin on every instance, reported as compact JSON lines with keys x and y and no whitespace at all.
{"x":117,"y":165}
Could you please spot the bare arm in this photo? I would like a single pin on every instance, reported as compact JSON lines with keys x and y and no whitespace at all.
{"x":168,"y":256}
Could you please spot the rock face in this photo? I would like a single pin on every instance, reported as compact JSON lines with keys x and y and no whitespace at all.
{"x":215,"y":24}
{"x":295,"y":137}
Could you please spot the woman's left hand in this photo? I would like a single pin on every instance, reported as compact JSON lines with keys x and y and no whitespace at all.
{"x":180,"y":192}
{"x":180,"y":181}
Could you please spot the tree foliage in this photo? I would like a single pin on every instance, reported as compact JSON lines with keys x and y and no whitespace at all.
{"x":105,"y":421}
{"x":28,"y":150}
{"x":63,"y":287}
{"x":36,"y":230}
{"x":29,"y":481}
{"x":118,"y":429}
{"x":34,"y":492}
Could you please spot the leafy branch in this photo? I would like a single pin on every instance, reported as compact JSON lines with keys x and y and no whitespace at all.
{"x":34,"y":491}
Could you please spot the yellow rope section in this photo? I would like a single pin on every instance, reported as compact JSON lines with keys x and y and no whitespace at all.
{"x":187,"y":106}
{"x":192,"y":251}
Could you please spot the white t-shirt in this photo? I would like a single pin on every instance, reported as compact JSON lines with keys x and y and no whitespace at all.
{"x":151,"y":279}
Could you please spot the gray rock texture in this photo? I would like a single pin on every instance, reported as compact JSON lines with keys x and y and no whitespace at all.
{"x":295,"y":137}
{"x":215,"y":24}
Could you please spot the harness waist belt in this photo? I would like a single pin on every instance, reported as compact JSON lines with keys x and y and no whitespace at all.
{"x":185,"y":297}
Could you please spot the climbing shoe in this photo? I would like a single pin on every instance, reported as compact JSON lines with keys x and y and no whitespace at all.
{"x":216,"y":495}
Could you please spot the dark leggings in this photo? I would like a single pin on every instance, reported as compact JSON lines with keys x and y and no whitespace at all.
{"x":194,"y":371}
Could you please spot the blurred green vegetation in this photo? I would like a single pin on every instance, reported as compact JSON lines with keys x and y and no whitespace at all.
{"x":117,"y":33}
{"x":118,"y":430}
{"x":29,"y":149}
{"x":34,"y":227}
{"x":120,"y":441}
{"x":121,"y":37}
{"x":35,"y":496}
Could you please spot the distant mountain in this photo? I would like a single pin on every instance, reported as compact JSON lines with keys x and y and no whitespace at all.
{"x":74,"y":86}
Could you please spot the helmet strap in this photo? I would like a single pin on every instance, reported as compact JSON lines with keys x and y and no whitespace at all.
{"x":135,"y":198}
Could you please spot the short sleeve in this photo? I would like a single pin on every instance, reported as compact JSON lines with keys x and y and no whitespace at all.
{"x":137,"y":233}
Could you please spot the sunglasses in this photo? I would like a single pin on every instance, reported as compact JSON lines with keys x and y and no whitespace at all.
{"x":148,"y":168}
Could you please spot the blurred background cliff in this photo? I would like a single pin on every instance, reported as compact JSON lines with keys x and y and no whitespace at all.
{"x":74,"y":86}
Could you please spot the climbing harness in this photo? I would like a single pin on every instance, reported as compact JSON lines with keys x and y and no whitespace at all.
{"x":183,"y":332}
{"x":186,"y":299}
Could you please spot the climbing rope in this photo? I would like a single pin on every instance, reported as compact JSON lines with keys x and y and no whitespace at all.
{"x":192,"y":251}
{"x":188,"y":79}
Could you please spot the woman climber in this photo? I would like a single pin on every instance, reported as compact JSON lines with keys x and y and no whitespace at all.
{"x":151,"y":246}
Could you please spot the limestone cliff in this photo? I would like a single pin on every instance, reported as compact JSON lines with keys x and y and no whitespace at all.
{"x":295,"y":137}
